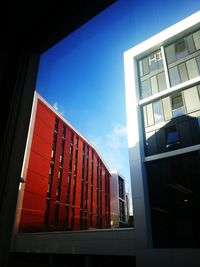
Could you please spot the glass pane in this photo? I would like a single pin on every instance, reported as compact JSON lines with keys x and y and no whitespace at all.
{"x":167,"y":108}
{"x":161,"y":81}
{"x":170,"y":54}
{"x":172,"y":137}
{"x":192,"y":68}
{"x":141,"y":68}
{"x":158,"y":111}
{"x":150,"y":117}
{"x":177,"y":106}
{"x":183,"y":72}
{"x":181,"y":49}
{"x":174,"y":76}
{"x":196,"y":37}
{"x":154,"y":85}
{"x":191,"y":99}
{"x":145,"y":88}
{"x":145,"y":116}
{"x":190,"y":44}
{"x":198,"y":62}
{"x":145,"y":66}
{"x":153,"y":62}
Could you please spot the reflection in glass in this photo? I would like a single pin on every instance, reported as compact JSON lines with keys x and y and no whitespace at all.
{"x":177,"y":106}
{"x":158,"y":111}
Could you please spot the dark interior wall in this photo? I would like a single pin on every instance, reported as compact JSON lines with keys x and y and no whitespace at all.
{"x":28,"y":29}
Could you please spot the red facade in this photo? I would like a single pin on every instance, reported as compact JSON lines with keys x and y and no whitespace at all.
{"x":67,"y":184}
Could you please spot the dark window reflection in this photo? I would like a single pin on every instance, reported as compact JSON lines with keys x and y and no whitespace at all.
{"x":174,"y":192}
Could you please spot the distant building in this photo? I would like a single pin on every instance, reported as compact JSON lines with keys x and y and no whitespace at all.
{"x":67,"y":184}
{"x":118,"y":200}
{"x":163,"y":114}
{"x":127,"y":207}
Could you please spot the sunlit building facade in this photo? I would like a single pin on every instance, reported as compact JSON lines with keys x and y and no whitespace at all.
{"x":67,"y":184}
{"x":162,"y":77}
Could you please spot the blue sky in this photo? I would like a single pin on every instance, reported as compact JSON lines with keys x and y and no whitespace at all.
{"x":83,"y":75}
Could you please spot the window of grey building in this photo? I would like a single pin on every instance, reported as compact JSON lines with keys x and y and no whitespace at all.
{"x":121,"y":211}
{"x":158,"y":111}
{"x":161,"y":82}
{"x":183,"y":50}
{"x":154,"y":84}
{"x":198,"y":63}
{"x":174,"y":187}
{"x":192,"y":68}
{"x":167,"y":108}
{"x":183,"y":72}
{"x":196,"y":37}
{"x":150,"y":118}
{"x":152,"y":78}
{"x":121,"y":187}
{"x":174,"y":76}
{"x":145,"y":88}
{"x":192,"y":100}
{"x":145,"y":116}
{"x":177,"y":105}
{"x":172,"y":136}
{"x":151,"y":63}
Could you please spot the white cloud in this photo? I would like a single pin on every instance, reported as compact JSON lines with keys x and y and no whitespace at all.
{"x":117,"y":138}
{"x":59,"y":108}
{"x":55,"y":105}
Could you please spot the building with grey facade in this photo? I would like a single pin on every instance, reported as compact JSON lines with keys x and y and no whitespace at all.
{"x":117,"y":200}
{"x":162,"y":80}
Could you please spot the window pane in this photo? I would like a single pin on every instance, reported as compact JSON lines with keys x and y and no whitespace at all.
{"x":171,"y":135}
{"x":170,"y":54}
{"x":196,"y":37}
{"x":154,"y":85}
{"x":198,"y":88}
{"x":177,"y":106}
{"x":183,"y":72}
{"x":145,"y":116}
{"x":192,"y":68}
{"x":150,"y":144}
{"x":174,"y":76}
{"x":145,"y":66}
{"x":161,"y":81}
{"x":150,"y":118}
{"x":141,"y":68}
{"x":191,"y":99}
{"x":167,"y":108}
{"x":152,"y":62}
{"x":190,"y":44}
{"x":198,"y":62}
{"x":158,"y":112}
{"x":181,"y":49}
{"x":145,"y":88}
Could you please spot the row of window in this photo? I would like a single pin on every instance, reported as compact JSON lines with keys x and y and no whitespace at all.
{"x":184,"y":102}
{"x":183,"y":59}
{"x":84,"y":187}
{"x":183,"y":47}
{"x":185,"y":71}
{"x":151,"y":63}
{"x":153,"y":85}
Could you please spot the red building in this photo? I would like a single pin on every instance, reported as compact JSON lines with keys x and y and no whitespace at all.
{"x":67,"y":185}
